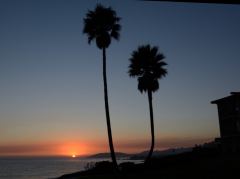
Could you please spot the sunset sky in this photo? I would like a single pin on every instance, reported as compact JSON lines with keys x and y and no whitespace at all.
{"x":51,"y":89}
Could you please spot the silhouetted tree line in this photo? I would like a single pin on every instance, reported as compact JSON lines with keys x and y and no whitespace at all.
{"x":146,"y":63}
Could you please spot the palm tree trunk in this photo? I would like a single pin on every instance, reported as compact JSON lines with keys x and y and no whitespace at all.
{"x":152,"y":127}
{"x":107,"y":112}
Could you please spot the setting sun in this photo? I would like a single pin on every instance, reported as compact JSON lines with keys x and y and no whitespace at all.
{"x":72,"y":149}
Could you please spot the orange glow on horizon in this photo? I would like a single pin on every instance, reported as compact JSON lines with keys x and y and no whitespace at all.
{"x":60,"y":148}
{"x":80,"y":148}
{"x":72,"y":149}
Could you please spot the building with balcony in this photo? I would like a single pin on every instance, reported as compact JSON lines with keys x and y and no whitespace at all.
{"x":229,"y":122}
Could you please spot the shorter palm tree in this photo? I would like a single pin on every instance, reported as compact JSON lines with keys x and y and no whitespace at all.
{"x":148,"y":66}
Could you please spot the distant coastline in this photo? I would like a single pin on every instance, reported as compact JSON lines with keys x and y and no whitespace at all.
{"x":141,"y":155}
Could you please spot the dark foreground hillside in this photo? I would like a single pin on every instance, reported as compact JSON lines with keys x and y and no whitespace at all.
{"x":191,"y":165}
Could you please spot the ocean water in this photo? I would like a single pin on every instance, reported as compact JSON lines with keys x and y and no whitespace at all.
{"x":40,"y":167}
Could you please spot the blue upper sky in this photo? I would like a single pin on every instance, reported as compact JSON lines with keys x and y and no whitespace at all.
{"x":51,"y":78}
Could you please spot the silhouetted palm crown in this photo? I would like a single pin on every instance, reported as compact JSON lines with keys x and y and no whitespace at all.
{"x":102,"y":25}
{"x":147,"y":64}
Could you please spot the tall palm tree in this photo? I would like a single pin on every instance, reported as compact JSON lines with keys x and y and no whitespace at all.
{"x":148,"y":66}
{"x":102,"y":25}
